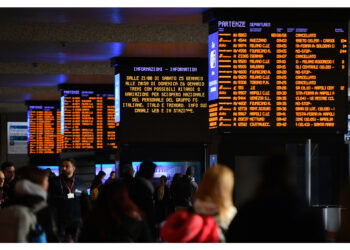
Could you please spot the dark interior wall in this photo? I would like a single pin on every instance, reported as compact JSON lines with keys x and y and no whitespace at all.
{"x":19,"y":160}
{"x":245,"y":154}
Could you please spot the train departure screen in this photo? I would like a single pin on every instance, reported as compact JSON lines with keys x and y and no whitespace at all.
{"x":162,"y":99}
{"x":44,"y":126}
{"x":88,"y":121}
{"x":277,"y":75}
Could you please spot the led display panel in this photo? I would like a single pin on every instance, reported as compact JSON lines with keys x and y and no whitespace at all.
{"x":44,"y":126}
{"x":87,"y":118}
{"x":107,"y":168}
{"x":274,"y":74}
{"x":161,"y":99}
{"x":169,"y":169}
{"x":54,"y":169}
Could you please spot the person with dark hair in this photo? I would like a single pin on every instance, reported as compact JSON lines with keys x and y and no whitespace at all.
{"x":69,"y":196}
{"x":185,"y":190}
{"x":115,"y":218}
{"x":141,"y":192}
{"x":10,"y":180}
{"x":112,"y":177}
{"x":126,"y":171}
{"x":31,"y":192}
{"x":162,"y":200}
{"x":276,"y":213}
{"x":173,"y":186}
{"x":96,"y":185}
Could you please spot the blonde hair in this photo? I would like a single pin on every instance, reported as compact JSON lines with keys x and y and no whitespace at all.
{"x":216,"y":187}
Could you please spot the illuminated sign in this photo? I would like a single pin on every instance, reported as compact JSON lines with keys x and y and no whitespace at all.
{"x":162,"y":99}
{"x":44,"y":119}
{"x":213,"y":88}
{"x":117,"y":97}
{"x":88,"y":118}
{"x":278,"y":75}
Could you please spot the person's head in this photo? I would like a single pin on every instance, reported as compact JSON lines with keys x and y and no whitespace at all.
{"x":147,"y":169}
{"x":176,"y":177}
{"x":98,"y":180}
{"x":2,"y":179}
{"x":112,"y":204}
{"x":9,"y":170}
{"x":112,"y":175}
{"x":101,"y":175}
{"x":163,"y":180}
{"x":126,"y":171}
{"x":67,"y":168}
{"x":216,"y":187}
{"x":190,"y":171}
{"x":36,"y":176}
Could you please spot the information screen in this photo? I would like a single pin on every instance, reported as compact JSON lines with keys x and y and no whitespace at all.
{"x":162,"y":99}
{"x":44,"y":126}
{"x":277,"y":75}
{"x":87,"y":120}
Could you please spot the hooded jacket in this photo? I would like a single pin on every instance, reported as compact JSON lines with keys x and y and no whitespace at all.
{"x":209,"y":208}
{"x":186,"y":227}
{"x":30,"y":195}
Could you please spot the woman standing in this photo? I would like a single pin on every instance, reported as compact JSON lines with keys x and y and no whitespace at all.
{"x":96,"y":185}
{"x":213,"y":210}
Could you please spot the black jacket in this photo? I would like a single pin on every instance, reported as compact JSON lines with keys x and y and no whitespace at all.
{"x":45,"y":216}
{"x":9,"y":190}
{"x":68,"y":210}
{"x":130,"y":230}
{"x":141,"y":192}
{"x":162,"y":207}
{"x":184,"y":191}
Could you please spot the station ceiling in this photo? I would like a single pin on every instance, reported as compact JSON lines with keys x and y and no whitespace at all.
{"x":41,"y":48}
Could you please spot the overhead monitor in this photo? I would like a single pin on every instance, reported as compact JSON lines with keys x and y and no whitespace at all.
{"x":44,"y":126}
{"x":278,"y":74}
{"x":54,"y":169}
{"x":107,"y":168}
{"x":169,"y":169}
{"x":87,"y":118}
{"x":161,"y":99}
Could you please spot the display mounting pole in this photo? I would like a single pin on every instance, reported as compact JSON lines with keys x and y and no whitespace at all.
{"x":308,"y":156}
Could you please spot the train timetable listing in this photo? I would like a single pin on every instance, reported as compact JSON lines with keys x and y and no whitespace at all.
{"x":88,"y":119}
{"x":277,"y":75}
{"x":44,"y":129}
{"x":164,"y":93}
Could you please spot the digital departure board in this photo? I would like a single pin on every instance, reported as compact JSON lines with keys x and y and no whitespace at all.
{"x":87,"y":118}
{"x":271,"y":74}
{"x":161,"y":99}
{"x":44,"y":127}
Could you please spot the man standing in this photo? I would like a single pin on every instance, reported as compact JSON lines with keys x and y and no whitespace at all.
{"x":141,"y":192}
{"x":10,"y":180}
{"x":68,"y":195}
{"x":185,"y":190}
{"x":111,"y":178}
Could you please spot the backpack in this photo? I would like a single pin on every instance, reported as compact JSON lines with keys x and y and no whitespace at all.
{"x":94,"y":194}
{"x":19,"y":224}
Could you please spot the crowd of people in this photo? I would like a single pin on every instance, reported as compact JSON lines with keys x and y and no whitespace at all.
{"x":37,"y":206}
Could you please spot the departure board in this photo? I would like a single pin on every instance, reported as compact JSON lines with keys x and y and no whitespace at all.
{"x":161,"y":99}
{"x":44,"y":127}
{"x":277,"y":74}
{"x":87,"y":118}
